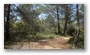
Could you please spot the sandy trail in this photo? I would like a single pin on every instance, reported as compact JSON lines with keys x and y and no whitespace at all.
{"x":54,"y":43}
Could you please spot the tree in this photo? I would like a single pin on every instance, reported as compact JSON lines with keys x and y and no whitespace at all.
{"x":50,"y":24}
{"x":7,"y":26}
{"x":54,"y":11}
{"x":58,"y":18}
{"x":29,"y":14}
{"x":78,"y":26}
{"x":66,"y":18}
{"x":81,"y":16}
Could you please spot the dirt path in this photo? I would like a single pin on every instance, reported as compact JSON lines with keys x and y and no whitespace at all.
{"x":54,"y":43}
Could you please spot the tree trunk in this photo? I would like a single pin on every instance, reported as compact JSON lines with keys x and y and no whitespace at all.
{"x":8,"y":24}
{"x":66,"y":18}
{"x":78,"y":28}
{"x":58,"y":20}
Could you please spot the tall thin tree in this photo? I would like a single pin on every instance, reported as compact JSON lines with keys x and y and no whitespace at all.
{"x":78,"y":26}
{"x":66,"y":18}
{"x":8,"y":23}
{"x":58,"y":19}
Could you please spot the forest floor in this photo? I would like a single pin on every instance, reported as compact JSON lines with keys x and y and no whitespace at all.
{"x":53,"y":43}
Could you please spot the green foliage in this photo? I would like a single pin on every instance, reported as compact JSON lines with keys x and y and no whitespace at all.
{"x":44,"y":36}
{"x":40,"y":21}
{"x":70,"y":30}
{"x":20,"y":30}
{"x":80,"y":41}
{"x":40,"y":36}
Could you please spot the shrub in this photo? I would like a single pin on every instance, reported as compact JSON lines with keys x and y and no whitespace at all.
{"x":80,"y":41}
{"x":20,"y":30}
{"x":44,"y":36}
{"x":70,"y":31}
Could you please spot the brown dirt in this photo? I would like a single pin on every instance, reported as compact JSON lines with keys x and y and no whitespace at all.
{"x":54,"y":43}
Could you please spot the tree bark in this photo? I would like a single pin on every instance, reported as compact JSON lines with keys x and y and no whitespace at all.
{"x":78,"y":28}
{"x":8,"y":24}
{"x":66,"y":18}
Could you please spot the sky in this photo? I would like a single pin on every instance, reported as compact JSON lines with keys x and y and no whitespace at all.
{"x":42,"y":16}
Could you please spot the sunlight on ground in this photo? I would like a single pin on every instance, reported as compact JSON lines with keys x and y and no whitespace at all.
{"x":54,"y":43}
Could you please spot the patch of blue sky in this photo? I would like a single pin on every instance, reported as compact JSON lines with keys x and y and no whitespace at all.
{"x":42,"y":16}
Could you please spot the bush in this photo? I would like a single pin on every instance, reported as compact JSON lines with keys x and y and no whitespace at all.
{"x":44,"y":36}
{"x":80,"y":41}
{"x":20,"y":30}
{"x":70,"y":31}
